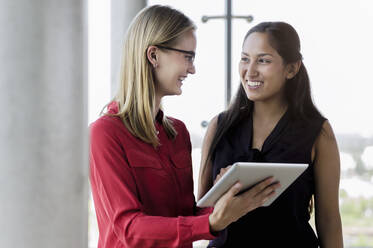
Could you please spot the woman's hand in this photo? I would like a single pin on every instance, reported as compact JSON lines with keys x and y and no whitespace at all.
{"x":229,"y":208}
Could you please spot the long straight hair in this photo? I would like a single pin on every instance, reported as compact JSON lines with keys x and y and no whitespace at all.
{"x":285,"y":40}
{"x":154,"y":25}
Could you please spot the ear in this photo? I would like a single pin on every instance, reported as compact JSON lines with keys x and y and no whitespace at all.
{"x":292,"y":69}
{"x":151,"y":54}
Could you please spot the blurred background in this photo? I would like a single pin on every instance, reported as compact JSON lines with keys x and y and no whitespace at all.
{"x":59,"y":65}
{"x":336,"y":40}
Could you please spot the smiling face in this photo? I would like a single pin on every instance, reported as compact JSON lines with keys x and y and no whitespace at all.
{"x":262,"y":71}
{"x":174,"y":66}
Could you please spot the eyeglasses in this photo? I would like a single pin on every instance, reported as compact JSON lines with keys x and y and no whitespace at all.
{"x":191,"y":54}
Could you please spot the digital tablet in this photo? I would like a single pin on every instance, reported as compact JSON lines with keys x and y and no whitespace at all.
{"x":249,"y":174}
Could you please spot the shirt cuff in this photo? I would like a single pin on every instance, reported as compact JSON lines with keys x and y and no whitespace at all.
{"x":196,"y":227}
{"x":203,"y":211}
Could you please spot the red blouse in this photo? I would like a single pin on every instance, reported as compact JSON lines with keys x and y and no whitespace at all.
{"x":144,"y":195}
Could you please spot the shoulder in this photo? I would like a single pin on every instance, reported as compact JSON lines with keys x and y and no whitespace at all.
{"x":218,"y":122}
{"x":107,"y":125}
{"x":326,"y":133}
{"x":326,"y":142}
{"x":327,"y":127}
{"x":103,"y":123}
{"x":326,"y":153}
{"x":221,"y":116}
{"x":320,"y":121}
{"x":211,"y":130}
{"x":108,"y":121}
{"x":213,"y":123}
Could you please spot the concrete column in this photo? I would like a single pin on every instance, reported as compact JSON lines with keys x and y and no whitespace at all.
{"x":43,"y":124}
{"x":122,"y":13}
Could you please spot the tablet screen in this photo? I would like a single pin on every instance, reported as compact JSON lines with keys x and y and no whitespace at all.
{"x":249,"y":174}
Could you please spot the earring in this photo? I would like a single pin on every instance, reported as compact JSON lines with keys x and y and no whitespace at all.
{"x":155,"y":65}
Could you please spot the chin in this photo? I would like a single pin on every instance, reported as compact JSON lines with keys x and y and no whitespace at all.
{"x":253,"y":97}
{"x":175,"y":92}
{"x":250,"y":95}
{"x":178,"y":91}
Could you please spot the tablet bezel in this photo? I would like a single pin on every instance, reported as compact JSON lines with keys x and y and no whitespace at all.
{"x":251,"y":173}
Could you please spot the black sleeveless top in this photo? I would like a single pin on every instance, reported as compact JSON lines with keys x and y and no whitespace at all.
{"x":285,"y":222}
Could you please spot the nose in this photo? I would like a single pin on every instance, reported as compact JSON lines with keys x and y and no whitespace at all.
{"x":251,"y":70}
{"x":191,"y":69}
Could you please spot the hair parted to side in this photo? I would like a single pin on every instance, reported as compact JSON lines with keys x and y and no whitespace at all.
{"x":285,"y":40}
{"x":154,"y":25}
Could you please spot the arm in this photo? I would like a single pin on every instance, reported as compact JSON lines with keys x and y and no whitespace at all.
{"x":327,"y":170}
{"x":118,"y":205}
{"x":205,"y":171}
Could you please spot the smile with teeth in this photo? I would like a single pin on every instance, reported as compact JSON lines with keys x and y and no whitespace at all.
{"x":254,"y":83}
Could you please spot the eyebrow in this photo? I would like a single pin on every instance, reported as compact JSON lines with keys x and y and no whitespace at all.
{"x":259,"y":55}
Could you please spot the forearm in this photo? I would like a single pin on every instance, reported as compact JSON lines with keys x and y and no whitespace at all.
{"x":140,"y":230}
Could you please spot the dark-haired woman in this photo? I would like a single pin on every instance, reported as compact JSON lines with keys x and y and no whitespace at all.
{"x":273,"y":119}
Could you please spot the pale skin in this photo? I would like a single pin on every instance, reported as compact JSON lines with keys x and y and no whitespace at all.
{"x":269,"y":106}
{"x":169,"y":68}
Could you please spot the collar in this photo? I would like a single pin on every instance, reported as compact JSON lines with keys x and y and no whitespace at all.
{"x":113,"y":107}
{"x":159,"y":116}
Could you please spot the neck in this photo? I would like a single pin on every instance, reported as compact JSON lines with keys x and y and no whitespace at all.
{"x":157,"y":105}
{"x":269,"y":111}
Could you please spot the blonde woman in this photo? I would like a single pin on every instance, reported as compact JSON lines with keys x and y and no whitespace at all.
{"x":140,"y":160}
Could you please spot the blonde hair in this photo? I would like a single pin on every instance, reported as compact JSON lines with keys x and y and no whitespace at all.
{"x":154,"y":25}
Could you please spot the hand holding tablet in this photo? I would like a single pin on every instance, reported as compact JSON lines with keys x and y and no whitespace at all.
{"x":249,"y":174}
{"x":230,"y":206}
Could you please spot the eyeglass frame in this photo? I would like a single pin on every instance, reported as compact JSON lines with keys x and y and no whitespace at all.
{"x":193,"y":54}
